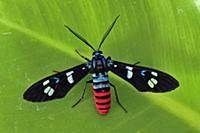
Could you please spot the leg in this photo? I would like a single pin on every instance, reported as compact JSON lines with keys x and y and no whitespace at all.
{"x":138,"y":62}
{"x":82,"y":55}
{"x":82,"y":96}
{"x":118,"y":98}
{"x":55,"y":71}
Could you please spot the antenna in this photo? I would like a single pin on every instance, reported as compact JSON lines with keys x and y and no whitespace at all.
{"x":80,"y":37}
{"x":107,"y":32}
{"x":81,"y":55}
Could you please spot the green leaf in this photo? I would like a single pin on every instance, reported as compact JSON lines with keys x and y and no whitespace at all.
{"x":160,"y":34}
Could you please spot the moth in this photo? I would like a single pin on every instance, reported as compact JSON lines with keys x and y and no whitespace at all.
{"x":144,"y":79}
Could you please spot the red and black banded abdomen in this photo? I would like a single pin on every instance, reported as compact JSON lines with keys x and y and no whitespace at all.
{"x":102,"y":98}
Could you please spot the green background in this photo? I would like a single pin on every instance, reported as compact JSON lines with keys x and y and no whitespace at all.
{"x":163,"y":34}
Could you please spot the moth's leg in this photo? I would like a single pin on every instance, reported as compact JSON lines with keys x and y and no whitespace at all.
{"x":117,"y":98}
{"x":138,"y":62}
{"x":82,"y":96}
{"x":55,"y":71}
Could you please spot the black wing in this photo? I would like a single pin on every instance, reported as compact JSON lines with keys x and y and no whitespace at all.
{"x":143,"y":78}
{"x":57,"y":85}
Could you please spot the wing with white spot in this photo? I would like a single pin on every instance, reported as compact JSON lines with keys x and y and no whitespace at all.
{"x":57,"y":85}
{"x":143,"y":78}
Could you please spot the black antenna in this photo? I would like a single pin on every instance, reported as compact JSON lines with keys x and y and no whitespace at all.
{"x":107,"y":32}
{"x":80,"y":37}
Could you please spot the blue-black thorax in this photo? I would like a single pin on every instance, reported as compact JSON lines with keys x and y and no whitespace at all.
{"x":98,"y":62}
{"x":99,"y":70}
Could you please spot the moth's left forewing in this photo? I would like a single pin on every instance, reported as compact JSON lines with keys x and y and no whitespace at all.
{"x":57,"y":85}
{"x":143,"y":78}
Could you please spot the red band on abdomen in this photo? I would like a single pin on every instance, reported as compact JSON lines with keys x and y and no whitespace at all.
{"x":101,"y":93}
{"x":103,"y":106}
{"x":102,"y":100}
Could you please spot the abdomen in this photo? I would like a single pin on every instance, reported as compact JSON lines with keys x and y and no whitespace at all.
{"x":102,"y":95}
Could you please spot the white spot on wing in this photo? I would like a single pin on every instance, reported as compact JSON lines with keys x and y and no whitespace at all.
{"x":45,"y":82}
{"x":50,"y":93}
{"x":83,"y":68}
{"x":154,"y":81}
{"x":150,"y":84}
{"x":129,"y":74}
{"x":154,"y":74}
{"x":115,"y":65}
{"x":70,"y":79}
{"x":47,"y":89}
{"x":69,"y":73}
{"x":129,"y":68}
